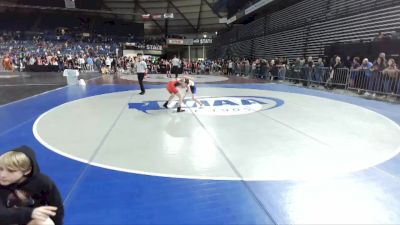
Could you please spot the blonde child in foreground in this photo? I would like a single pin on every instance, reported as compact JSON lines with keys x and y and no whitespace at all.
{"x":26,"y":195}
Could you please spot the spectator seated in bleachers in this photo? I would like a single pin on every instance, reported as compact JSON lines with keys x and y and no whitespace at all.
{"x":7,"y":63}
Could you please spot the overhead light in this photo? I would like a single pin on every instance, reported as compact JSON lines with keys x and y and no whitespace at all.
{"x":168,"y":15}
{"x":146,"y":16}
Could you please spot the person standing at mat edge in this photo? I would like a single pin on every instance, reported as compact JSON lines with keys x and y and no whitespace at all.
{"x":175,"y":66}
{"x":141,"y":71}
{"x":27,"y":196}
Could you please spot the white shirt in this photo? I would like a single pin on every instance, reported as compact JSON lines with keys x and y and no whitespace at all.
{"x":108,"y":62}
{"x":191,"y":83}
{"x":175,"y":62}
{"x":81,"y":61}
{"x":31,"y":61}
{"x":141,"y":67}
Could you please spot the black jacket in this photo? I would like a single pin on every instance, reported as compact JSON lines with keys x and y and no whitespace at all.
{"x":38,"y":189}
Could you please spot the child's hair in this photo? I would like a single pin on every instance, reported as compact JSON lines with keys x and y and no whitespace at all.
{"x":16,"y":161}
{"x":186,"y":81}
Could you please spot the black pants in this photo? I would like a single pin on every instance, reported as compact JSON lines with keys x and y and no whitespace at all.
{"x":175,"y":70}
{"x":140,"y":78}
{"x":230,"y":71}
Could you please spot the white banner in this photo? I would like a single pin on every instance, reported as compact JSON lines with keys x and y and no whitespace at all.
{"x":223,"y":20}
{"x":70,"y":4}
{"x":256,"y":6}
{"x":231,"y":20}
{"x":176,"y":41}
{"x":146,"y":16}
{"x":171,"y":41}
{"x":156,"y":16}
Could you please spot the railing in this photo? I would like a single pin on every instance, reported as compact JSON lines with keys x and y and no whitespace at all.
{"x":1,"y":65}
{"x":386,"y":82}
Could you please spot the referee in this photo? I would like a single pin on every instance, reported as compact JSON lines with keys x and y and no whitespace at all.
{"x":141,"y":70}
{"x":175,"y":66}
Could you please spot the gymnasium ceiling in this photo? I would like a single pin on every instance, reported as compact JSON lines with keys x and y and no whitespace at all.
{"x":190,"y":16}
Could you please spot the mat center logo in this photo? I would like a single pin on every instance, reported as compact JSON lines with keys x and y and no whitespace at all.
{"x":215,"y":106}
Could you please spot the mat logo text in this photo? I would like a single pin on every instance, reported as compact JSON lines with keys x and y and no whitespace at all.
{"x":217,"y":106}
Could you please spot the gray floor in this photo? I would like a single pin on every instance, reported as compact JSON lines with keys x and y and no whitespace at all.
{"x":192,"y":144}
{"x":306,"y":137}
{"x":20,"y":85}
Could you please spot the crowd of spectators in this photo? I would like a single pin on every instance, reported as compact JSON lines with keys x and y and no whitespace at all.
{"x":380,"y":75}
{"x":367,"y":76}
{"x":89,"y":53}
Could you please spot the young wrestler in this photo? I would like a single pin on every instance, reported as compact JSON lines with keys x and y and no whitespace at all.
{"x":191,"y":89}
{"x":172,"y":88}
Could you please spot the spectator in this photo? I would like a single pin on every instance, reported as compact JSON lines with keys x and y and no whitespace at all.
{"x":7,"y":63}
{"x":108,"y":63}
{"x":26,"y":194}
{"x":390,"y":77}
{"x":365,"y":75}
{"x":379,"y":37}
{"x":375,"y":83}
{"x":354,"y":73}
{"x":308,"y":67}
{"x":336,"y":77}
{"x":230,"y":67}
{"x":90,"y":63}
{"x":396,"y":34}
{"x":318,"y":71}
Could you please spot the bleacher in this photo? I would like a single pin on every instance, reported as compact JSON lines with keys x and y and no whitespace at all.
{"x":284,"y":43}
{"x":339,"y":8}
{"x":364,"y":26}
{"x":241,"y":47}
{"x":253,"y":29}
{"x":307,"y":27}
{"x":297,"y":15}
